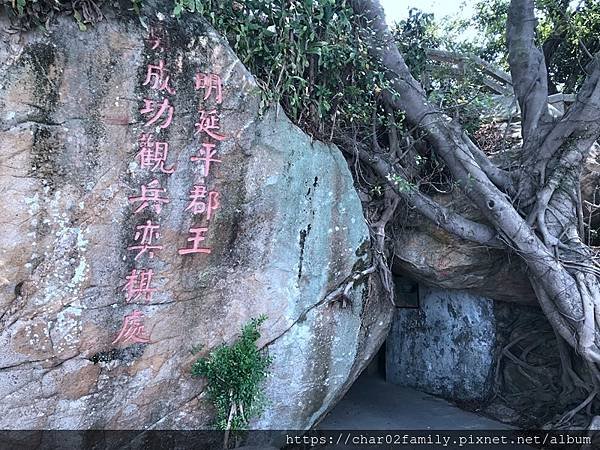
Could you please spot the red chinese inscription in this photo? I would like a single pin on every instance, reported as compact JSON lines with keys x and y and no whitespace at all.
{"x":133,"y":329}
{"x":145,"y":235}
{"x":139,"y":283}
{"x":153,"y":194}
{"x":196,"y":237}
{"x":154,"y":40}
{"x":205,"y":155}
{"x":153,"y":154}
{"x":210,"y":82}
{"x":156,"y":110}
{"x":157,"y":78}
{"x":208,"y":123}
{"x":200,"y":203}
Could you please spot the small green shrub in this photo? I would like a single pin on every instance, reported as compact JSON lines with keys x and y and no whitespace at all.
{"x":235,"y":374}
{"x":308,"y":55}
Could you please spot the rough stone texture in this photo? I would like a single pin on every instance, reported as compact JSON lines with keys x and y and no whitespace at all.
{"x":445,"y":347}
{"x":290,"y":228}
{"x":495,"y":356}
{"x":438,"y":259}
{"x":441,"y":260}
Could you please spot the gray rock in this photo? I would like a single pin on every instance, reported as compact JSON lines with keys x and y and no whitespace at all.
{"x":443,"y":261}
{"x":446,"y":347}
{"x":289,"y":229}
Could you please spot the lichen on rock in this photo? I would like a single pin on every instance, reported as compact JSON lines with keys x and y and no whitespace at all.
{"x":69,"y":131}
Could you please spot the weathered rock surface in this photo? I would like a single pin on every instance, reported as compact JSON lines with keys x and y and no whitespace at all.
{"x":497,"y":356}
{"x":441,"y":260}
{"x":288,"y":230}
{"x":445,"y":347}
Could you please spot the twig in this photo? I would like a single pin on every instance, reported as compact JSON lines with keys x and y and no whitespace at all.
{"x":343,"y":291}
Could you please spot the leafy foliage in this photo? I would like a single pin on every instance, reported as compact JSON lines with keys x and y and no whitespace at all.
{"x":400,"y":182}
{"x":28,"y":14}
{"x":310,"y":57}
{"x":490,"y":21}
{"x":570,"y":37}
{"x":307,"y":54}
{"x":457,"y":90}
{"x":414,"y":36}
{"x":187,"y":5}
{"x":235,"y":374}
{"x":568,"y":33}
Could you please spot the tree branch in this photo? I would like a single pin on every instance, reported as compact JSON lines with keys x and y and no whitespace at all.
{"x":527,"y":66}
{"x":485,"y":67}
{"x":582,"y":121}
{"x":499,"y":177}
{"x":447,"y":140}
{"x":445,"y":218}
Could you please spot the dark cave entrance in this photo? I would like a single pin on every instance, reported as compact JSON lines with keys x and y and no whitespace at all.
{"x":376,"y":367}
{"x":443,"y":362}
{"x":407,"y":296}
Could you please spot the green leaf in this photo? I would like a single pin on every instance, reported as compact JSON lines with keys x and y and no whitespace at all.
{"x":79,"y":20}
{"x":235,"y":374}
{"x":20,"y":6}
{"x":177,"y":10}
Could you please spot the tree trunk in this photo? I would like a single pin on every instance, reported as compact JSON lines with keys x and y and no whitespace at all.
{"x":534,"y":212}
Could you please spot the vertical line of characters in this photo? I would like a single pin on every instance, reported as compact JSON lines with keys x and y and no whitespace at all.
{"x":204,"y":201}
{"x":153,"y":158}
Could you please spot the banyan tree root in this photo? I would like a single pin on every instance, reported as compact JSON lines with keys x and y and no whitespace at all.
{"x":532,"y":211}
{"x":342,"y":293}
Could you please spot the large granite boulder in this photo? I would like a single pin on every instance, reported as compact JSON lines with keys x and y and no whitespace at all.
{"x":446,"y":347}
{"x":443,"y":261}
{"x":440,"y":260}
{"x":93,"y":201}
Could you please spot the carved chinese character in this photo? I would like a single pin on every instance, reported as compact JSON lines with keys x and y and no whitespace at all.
{"x":156,"y":110}
{"x":139,"y":283}
{"x":153,"y":154}
{"x":200,"y":204}
{"x":210,"y":82}
{"x":205,"y":155}
{"x":150,"y":194}
{"x":209,"y":123}
{"x":196,"y":236}
{"x":145,"y":234}
{"x":133,"y":329}
{"x":154,"y":40}
{"x":157,"y":75}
